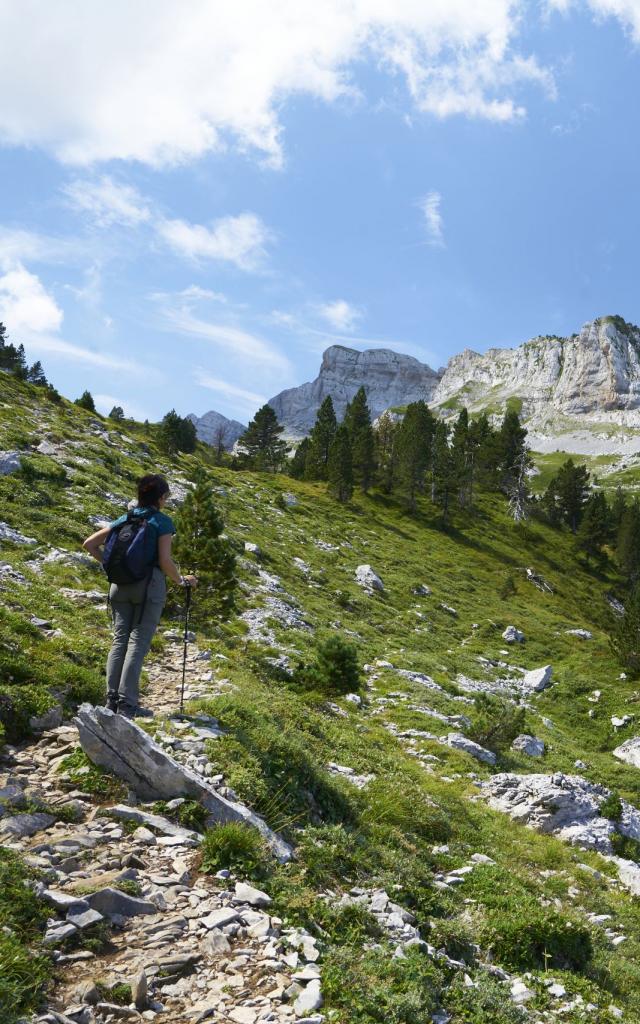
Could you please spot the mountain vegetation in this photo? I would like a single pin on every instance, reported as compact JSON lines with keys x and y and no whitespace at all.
{"x":367,"y":678}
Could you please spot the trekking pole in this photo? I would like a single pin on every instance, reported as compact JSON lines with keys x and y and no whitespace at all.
{"x":187,"y":609}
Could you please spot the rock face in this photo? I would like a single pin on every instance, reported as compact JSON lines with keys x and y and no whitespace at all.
{"x":565,"y":805}
{"x":9,"y":463}
{"x":213,"y":428}
{"x":389,"y":379}
{"x":562,"y":384}
{"x":124,"y":749}
{"x":629,"y":751}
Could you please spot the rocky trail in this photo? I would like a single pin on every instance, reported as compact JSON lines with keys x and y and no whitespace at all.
{"x":190,"y":946}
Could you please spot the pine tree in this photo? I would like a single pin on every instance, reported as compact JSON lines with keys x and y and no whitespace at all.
{"x":511,"y":445}
{"x":618,"y":509}
{"x":36,"y":375}
{"x":176,"y":434}
{"x":413,"y":447}
{"x":386,"y":452}
{"x":571,"y":487}
{"x":484,"y":456}
{"x":298,"y":463}
{"x":595,"y":526}
{"x":357,"y":420}
{"x":624,"y":636}
{"x":443,"y":471}
{"x":86,"y":401}
{"x":262,"y":442}
{"x":628,"y":543}
{"x":202,"y":549}
{"x":462,"y":457}
{"x":320,"y":441}
{"x":340,"y":468}
{"x":117,"y":413}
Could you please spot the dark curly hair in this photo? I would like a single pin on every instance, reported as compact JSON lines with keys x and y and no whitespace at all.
{"x":150,"y":489}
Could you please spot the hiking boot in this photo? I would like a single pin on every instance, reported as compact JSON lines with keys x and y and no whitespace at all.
{"x":112,"y":702}
{"x":129,"y":712}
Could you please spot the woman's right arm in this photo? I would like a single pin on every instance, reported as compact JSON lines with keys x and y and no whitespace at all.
{"x":168,"y":565}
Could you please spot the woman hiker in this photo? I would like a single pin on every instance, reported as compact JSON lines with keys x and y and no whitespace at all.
{"x":137,"y":607}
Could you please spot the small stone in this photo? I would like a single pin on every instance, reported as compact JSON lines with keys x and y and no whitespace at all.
{"x":144,"y":835}
{"x":88,"y":993}
{"x":537,"y":679}
{"x":84,"y":918}
{"x":140,"y":991}
{"x":220,"y":918}
{"x":58,"y":933}
{"x":512,"y":635}
{"x":248,"y":894}
{"x":309,"y":999}
{"x":216,"y":942}
{"x":366,"y":577}
{"x":530,"y":745}
{"x":110,"y":901}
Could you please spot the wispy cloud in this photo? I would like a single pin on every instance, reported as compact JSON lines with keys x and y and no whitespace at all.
{"x":340,"y":315}
{"x":19,"y":245}
{"x":108,"y":201}
{"x":240,"y":240}
{"x":248,"y":399}
{"x":430,"y":207}
{"x":50,"y":345}
{"x":249,"y":348}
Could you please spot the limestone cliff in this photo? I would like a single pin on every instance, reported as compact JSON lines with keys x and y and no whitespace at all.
{"x":214,"y":428}
{"x":389,"y":379}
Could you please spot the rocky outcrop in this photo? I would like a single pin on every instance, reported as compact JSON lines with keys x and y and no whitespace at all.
{"x":559,"y":384}
{"x":389,"y":379}
{"x":629,"y":751}
{"x":124,"y":749}
{"x":217,"y":430}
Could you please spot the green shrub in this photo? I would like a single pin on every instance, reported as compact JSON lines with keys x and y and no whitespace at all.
{"x":23,"y":976}
{"x":487,"y":1002}
{"x":85,"y":775}
{"x":507,"y":587}
{"x":611,"y":807}
{"x":335,"y":670}
{"x":189,"y":814}
{"x":374,"y":987}
{"x":496,"y":722}
{"x":532,"y":937}
{"x":625,"y":847}
{"x":236,"y":847}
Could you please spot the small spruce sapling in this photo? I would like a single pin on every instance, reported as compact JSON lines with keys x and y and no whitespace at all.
{"x":202,"y":550}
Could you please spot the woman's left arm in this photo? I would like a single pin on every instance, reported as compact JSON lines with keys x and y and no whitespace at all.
{"x":95,"y":543}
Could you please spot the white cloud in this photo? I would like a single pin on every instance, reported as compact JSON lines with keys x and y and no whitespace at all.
{"x":147,"y":82}
{"x":626,"y":11}
{"x":18,"y":245}
{"x":108,"y":201}
{"x":25,"y":304}
{"x":195,"y":293}
{"x":238,"y":240}
{"x":248,"y":348}
{"x":430,"y":206}
{"x":44,"y":344}
{"x":248,"y":399}
{"x":340,"y":315}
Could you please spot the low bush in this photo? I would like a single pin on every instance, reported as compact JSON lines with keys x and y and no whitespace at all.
{"x":611,"y":807}
{"x":487,"y":1002}
{"x":374,"y":987}
{"x":237,"y":847}
{"x":496,"y":722}
{"x":533,"y":937}
{"x":334,"y":671}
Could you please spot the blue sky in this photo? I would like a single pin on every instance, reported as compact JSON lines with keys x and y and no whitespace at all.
{"x":197,"y":200}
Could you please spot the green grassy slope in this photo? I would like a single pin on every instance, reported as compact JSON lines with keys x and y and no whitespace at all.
{"x":408,"y":824}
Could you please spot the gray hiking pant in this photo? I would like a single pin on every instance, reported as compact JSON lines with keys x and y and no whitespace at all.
{"x":135,"y":620}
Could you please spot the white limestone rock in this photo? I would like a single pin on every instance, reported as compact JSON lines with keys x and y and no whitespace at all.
{"x":512,"y":635}
{"x":461,"y":742}
{"x":530,"y":745}
{"x":389,"y":379}
{"x":9,"y":463}
{"x":367,"y":578}
{"x":582,"y":634}
{"x":537,"y":679}
{"x":217,"y":430}
{"x":629,"y":751}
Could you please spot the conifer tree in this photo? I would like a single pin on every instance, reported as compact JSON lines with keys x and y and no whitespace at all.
{"x":357,"y":420}
{"x":595,"y":526}
{"x":618,"y":509}
{"x":511,"y":445}
{"x":571,"y":489}
{"x":340,"y":468}
{"x":262,"y":441}
{"x":443,"y":475}
{"x":386,"y":451}
{"x":320,"y":441}
{"x":518,"y":488}
{"x":86,"y":401}
{"x":624,"y":636}
{"x":413,"y":445}
{"x":461,"y":454}
{"x":36,"y":375}
{"x":177,"y":434}
{"x":628,"y":543}
{"x":483,"y":450}
{"x":117,"y":413}
{"x":201,"y":549}
{"x":298,"y":463}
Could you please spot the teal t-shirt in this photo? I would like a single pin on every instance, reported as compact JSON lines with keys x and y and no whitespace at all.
{"x":161,"y":523}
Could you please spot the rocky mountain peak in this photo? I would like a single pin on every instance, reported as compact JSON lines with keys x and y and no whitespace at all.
{"x":389,"y":378}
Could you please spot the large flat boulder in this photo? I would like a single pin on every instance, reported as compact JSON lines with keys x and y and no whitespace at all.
{"x":629,"y":751}
{"x":121,"y":747}
{"x":537,"y":679}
